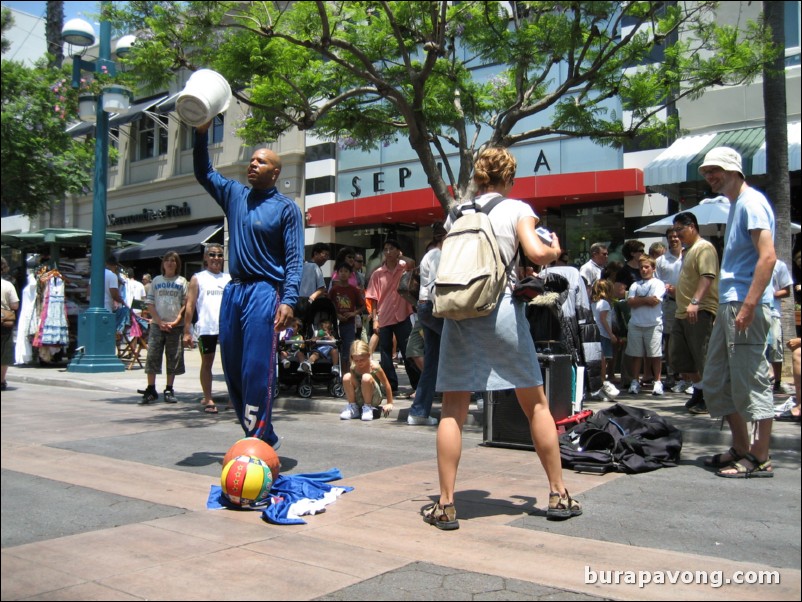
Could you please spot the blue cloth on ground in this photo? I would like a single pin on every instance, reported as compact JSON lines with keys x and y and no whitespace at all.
{"x":286,"y":491}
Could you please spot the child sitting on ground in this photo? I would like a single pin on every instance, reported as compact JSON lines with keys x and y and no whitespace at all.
{"x":365,"y":385}
{"x":325,"y":347}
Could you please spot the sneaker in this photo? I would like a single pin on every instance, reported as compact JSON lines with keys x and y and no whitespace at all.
{"x":277,"y":444}
{"x":350,"y":412}
{"x":367,"y":413}
{"x":305,"y":367}
{"x":695,"y":399}
{"x":599,"y":395}
{"x":634,"y":387}
{"x":169,"y":396}
{"x":699,"y":408}
{"x":336,"y":370}
{"x":421,"y":420}
{"x":785,"y":406}
{"x":610,"y":390}
{"x":148,"y":395}
{"x":657,"y":389}
{"x":690,"y":390}
{"x":681,"y":386}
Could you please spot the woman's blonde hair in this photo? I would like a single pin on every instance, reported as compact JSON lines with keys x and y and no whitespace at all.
{"x":602,"y":289}
{"x":358,"y":347}
{"x":495,"y":167}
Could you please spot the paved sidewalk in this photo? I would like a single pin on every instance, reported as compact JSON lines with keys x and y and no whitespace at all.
{"x":105,"y":499}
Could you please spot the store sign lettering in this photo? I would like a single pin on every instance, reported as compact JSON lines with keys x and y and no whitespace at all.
{"x":404,"y":174}
{"x":150,"y":215}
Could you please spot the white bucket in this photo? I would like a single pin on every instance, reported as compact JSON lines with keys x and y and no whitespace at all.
{"x":206,"y":94}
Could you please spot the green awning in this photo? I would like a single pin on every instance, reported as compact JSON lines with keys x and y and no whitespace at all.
{"x":747,"y":142}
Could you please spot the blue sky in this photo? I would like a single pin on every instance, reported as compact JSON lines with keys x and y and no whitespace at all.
{"x":84,"y":10}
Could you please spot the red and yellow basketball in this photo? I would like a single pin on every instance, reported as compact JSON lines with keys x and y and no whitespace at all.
{"x":246,"y":480}
{"x":251,"y":446}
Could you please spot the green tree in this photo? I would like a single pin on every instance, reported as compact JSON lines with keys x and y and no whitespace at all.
{"x":41,"y":163}
{"x":370,"y":73}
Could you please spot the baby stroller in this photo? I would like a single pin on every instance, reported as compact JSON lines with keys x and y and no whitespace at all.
{"x":319,"y":310}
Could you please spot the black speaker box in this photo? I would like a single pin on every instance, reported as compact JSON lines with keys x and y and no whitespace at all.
{"x":505,"y":424}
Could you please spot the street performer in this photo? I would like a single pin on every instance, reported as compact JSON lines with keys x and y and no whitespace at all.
{"x":265,"y":261}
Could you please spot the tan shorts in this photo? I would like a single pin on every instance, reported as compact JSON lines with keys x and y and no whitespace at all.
{"x":644,"y":341}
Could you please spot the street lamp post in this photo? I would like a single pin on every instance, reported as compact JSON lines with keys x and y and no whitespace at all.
{"x":97,"y":350}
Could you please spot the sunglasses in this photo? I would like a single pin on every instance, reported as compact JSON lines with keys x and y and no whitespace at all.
{"x":213,"y":255}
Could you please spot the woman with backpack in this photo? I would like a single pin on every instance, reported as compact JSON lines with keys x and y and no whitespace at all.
{"x":495,"y":351}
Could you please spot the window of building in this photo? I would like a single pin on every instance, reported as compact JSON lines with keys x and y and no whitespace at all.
{"x":792,"y":38}
{"x":216,"y":133}
{"x":318,"y":152}
{"x":319,"y":185}
{"x":150,"y":137}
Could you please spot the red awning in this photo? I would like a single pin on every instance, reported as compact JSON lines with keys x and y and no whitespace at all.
{"x":422,"y":207}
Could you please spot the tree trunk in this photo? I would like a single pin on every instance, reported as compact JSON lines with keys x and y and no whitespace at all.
{"x":53,"y":26}
{"x":778,"y":186}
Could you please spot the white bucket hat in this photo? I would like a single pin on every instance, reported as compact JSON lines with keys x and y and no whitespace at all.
{"x":724,"y":157}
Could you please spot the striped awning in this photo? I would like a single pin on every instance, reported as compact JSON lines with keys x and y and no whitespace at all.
{"x":680,"y":162}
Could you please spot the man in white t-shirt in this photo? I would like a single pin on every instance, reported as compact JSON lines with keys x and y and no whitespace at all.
{"x":781,"y":283}
{"x":205,"y":294}
{"x":591,"y":271}
{"x":111,"y":286}
{"x":134,"y":291}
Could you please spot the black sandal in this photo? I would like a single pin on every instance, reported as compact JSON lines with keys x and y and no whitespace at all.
{"x":442,"y":517}
{"x":561,"y":507}
{"x":717,"y":462}
{"x":759,"y":469}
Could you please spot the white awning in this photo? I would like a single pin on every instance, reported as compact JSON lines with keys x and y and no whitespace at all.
{"x":670,"y":166}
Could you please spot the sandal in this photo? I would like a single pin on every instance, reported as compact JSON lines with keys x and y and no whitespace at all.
{"x":210,"y":409}
{"x":717,"y":462}
{"x":442,"y":517}
{"x":561,"y":507}
{"x":759,"y":469}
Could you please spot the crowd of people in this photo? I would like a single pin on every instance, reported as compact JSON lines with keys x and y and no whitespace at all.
{"x":713,"y":323}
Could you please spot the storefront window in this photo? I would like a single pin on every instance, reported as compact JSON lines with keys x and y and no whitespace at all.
{"x":579,"y":226}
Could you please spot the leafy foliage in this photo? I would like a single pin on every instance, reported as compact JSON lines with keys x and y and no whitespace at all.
{"x":372,"y":72}
{"x":41,"y":163}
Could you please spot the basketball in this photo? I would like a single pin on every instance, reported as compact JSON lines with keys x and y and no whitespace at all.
{"x":246,"y":480}
{"x":251,"y":446}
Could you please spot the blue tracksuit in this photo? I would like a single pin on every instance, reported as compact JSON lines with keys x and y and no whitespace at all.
{"x":265,"y":262}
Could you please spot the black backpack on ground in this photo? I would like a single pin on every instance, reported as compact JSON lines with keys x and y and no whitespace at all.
{"x":623,"y":439}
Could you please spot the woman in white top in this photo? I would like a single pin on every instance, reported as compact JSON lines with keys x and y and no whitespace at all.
{"x":496,"y":351}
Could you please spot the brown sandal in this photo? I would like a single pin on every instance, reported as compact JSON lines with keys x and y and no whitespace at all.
{"x":561,"y":507}
{"x":442,"y":517}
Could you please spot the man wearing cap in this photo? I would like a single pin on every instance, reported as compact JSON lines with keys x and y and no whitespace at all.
{"x":736,"y":376}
